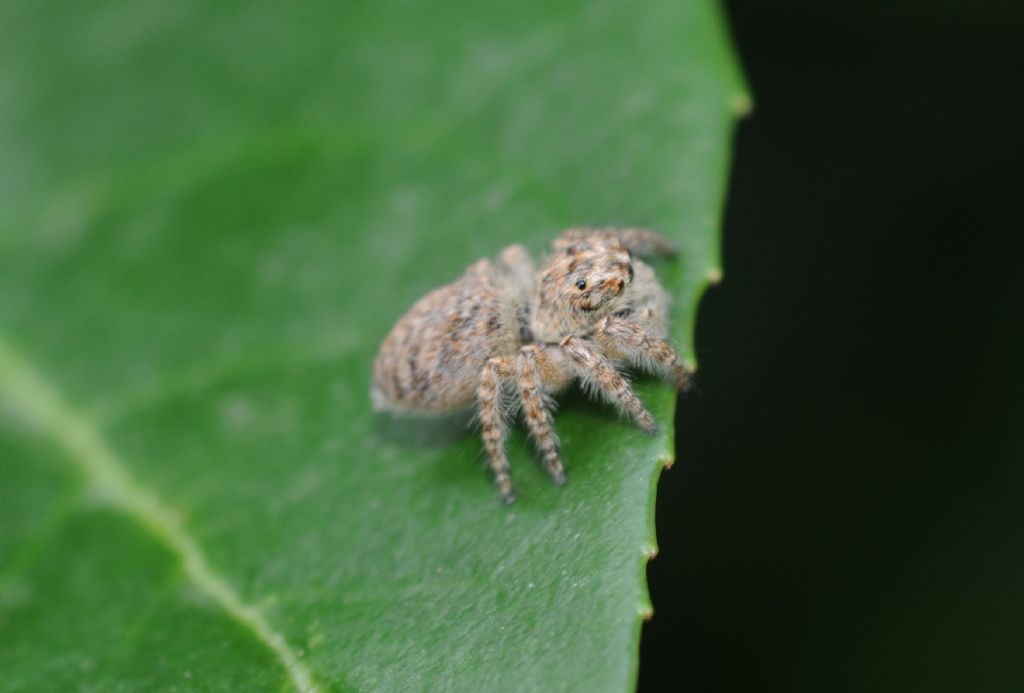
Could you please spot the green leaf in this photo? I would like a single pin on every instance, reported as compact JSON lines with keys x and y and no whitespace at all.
{"x":210,"y":215}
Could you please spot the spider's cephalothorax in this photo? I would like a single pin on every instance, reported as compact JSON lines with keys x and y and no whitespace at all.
{"x":506,"y":330}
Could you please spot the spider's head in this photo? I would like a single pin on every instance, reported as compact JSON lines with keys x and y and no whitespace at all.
{"x":579,"y":284}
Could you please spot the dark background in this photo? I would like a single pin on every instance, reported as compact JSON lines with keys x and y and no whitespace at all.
{"x":846,"y":509}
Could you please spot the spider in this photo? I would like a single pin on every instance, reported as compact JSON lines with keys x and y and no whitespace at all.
{"x":505,"y":334}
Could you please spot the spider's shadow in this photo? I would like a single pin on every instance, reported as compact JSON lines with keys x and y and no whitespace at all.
{"x":429,"y":432}
{"x":443,"y":430}
{"x":576,"y":399}
{"x":449,"y":431}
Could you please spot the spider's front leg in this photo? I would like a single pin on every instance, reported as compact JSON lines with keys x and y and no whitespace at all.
{"x":492,"y":422}
{"x":597,"y":370}
{"x":636,"y":345}
{"x":535,"y":366}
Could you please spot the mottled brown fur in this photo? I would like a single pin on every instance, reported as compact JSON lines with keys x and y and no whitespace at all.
{"x":506,"y":330}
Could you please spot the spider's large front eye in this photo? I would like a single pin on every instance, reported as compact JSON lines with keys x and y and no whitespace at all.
{"x":581,"y":284}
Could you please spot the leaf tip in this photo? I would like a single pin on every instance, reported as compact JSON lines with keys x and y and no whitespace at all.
{"x":741,"y":104}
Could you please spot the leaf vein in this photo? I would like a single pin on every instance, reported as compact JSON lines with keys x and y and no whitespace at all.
{"x":39,"y":403}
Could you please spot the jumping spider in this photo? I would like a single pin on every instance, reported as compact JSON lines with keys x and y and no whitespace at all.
{"x":503,"y":329}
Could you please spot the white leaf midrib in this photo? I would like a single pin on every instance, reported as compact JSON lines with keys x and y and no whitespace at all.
{"x":35,"y":400}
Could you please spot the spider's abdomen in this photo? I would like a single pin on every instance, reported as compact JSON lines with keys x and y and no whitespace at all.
{"x":432,"y":359}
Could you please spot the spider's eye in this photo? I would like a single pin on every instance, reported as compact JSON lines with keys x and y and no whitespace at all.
{"x":581,"y":284}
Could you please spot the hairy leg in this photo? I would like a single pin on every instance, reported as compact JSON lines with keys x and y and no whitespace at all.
{"x":516,"y":262}
{"x":618,"y":336}
{"x":532,"y":364}
{"x":517,"y":272}
{"x":643,"y":242}
{"x":492,"y":422}
{"x":598,"y":371}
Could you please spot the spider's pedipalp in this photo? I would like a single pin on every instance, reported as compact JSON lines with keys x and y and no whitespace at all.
{"x":597,"y":370}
